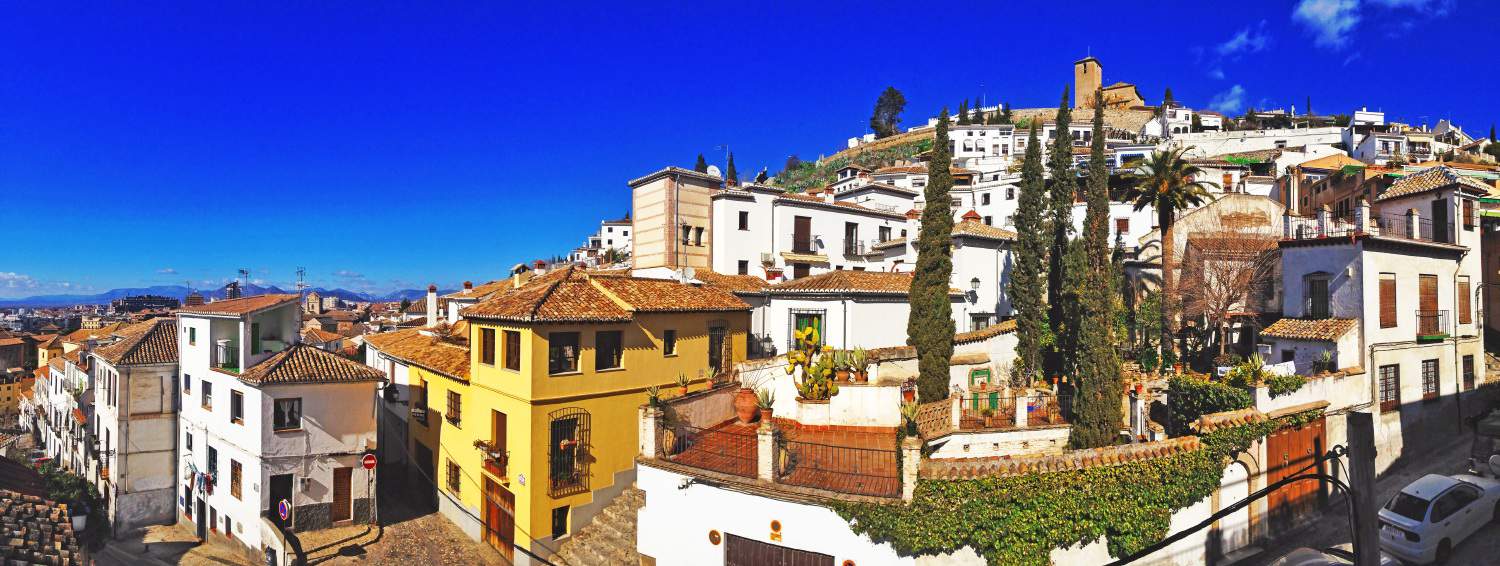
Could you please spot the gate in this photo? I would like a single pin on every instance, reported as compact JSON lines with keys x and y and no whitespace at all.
{"x":740,"y":551}
{"x":1287,"y":451}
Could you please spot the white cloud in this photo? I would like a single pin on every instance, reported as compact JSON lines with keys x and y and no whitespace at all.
{"x":1230,"y":101}
{"x":13,"y":280}
{"x":1216,"y":73}
{"x":1248,"y":40}
{"x":1329,"y":20}
{"x":14,"y":284}
{"x":348,"y":274}
{"x":167,"y":271}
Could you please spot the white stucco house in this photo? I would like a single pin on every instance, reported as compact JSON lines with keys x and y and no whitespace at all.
{"x":135,"y":415}
{"x":266,"y":419}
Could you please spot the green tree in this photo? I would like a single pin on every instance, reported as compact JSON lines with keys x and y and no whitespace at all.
{"x":1165,"y":182}
{"x":1197,"y":123}
{"x":1005,"y":116}
{"x":1063,"y":191}
{"x":1492,"y":132}
{"x":963,"y":112}
{"x":702,"y":165}
{"x":978,"y":117}
{"x":792,"y":164}
{"x":929,"y":327}
{"x":731,"y":176}
{"x":760,"y":178}
{"x":405,"y":304}
{"x":1026,"y":282}
{"x":1166,"y":99}
{"x":1097,"y":399}
{"x":886,"y":120}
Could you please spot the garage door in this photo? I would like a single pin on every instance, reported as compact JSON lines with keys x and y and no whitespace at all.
{"x":1289,"y":450}
{"x":739,"y":551}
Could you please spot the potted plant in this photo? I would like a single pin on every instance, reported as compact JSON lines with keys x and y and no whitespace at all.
{"x":765,"y":400}
{"x":745,"y":404}
{"x":682,"y":384}
{"x":841,"y":365}
{"x":989,"y":416}
{"x":1324,"y":363}
{"x":909,"y":417}
{"x":859,"y":359}
{"x":653,"y":396}
{"x":818,"y":383}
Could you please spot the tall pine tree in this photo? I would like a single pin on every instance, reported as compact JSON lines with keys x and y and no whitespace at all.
{"x":1062,"y":192}
{"x":1005,"y":117}
{"x":929,"y":327}
{"x":1026,"y":283}
{"x":731,"y":176}
{"x":963,"y":112}
{"x":1096,"y":401}
{"x":702,"y":165}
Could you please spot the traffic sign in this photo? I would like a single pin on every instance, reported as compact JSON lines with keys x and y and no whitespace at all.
{"x":368,"y":461}
{"x":283,"y":509}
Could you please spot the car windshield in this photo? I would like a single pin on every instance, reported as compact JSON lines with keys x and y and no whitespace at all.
{"x":1409,"y":506}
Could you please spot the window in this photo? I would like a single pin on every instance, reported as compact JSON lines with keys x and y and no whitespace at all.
{"x":187,"y":501}
{"x":1317,"y":297}
{"x":1449,"y":503}
{"x":236,"y":407}
{"x":513,"y":350}
{"x":800,"y":270}
{"x":562,"y":352}
{"x":608,"y":352}
{"x":989,"y":221}
{"x":568,"y":435}
{"x":234,"y":478}
{"x":1122,"y":226}
{"x":1288,"y":355}
{"x":208,"y":395}
{"x":1388,"y":300}
{"x":1468,"y":214}
{"x":454,"y":413}
{"x":559,"y":522}
{"x":1468,"y":372}
{"x":743,"y":267}
{"x":669,"y":343}
{"x":1010,"y":193}
{"x":1390,"y":387}
{"x":287,"y":415}
{"x":885,"y":233}
{"x":213,"y":464}
{"x":984,"y":198}
{"x":1465,"y":298}
{"x":803,"y":320}
{"x":187,"y":384}
{"x":487,"y":346}
{"x":192,"y":336}
{"x":188,"y":441}
{"x":744,"y":220}
{"x":698,"y":236}
{"x":454,"y":473}
{"x":1429,"y":379}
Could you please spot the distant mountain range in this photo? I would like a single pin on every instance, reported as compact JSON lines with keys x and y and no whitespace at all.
{"x":180,"y":291}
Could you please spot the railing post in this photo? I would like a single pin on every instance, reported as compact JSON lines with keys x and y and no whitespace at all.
{"x":911,"y":461}
{"x":765,"y":452}
{"x":1286,"y":225}
{"x":1362,"y":216}
{"x":1324,"y":216}
{"x":957,"y":414}
{"x":650,"y":417}
{"x":1413,"y":231}
{"x":1020,"y":401}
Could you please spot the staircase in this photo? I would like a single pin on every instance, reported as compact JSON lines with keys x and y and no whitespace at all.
{"x":609,"y":539}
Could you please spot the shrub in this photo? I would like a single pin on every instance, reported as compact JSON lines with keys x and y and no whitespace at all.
{"x":1191,"y":396}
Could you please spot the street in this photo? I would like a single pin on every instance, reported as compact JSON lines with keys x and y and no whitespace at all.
{"x":1482,"y":547}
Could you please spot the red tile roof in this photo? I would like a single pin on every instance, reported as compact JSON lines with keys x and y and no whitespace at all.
{"x":574,"y":295}
{"x":1002,"y":327}
{"x":241,"y":307}
{"x":448,"y":356}
{"x":661,"y":295}
{"x":733,"y":283}
{"x":976,"y":229}
{"x":1326,"y":329}
{"x":847,"y":281}
{"x":150,"y":342}
{"x":303,"y":363}
{"x":969,"y":468}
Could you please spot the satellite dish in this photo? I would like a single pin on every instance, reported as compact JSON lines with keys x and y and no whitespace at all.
{"x":714,"y":170}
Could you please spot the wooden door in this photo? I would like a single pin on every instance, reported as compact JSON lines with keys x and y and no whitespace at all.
{"x":1440,"y":221}
{"x":1288,"y":451}
{"x":1427,"y":302}
{"x":499,"y":518}
{"x":341,"y":496}
{"x":281,"y":488}
{"x":740,"y":551}
{"x":802,"y":234}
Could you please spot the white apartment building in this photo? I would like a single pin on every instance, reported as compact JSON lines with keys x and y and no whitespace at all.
{"x":1394,"y":295}
{"x":766,"y":232}
{"x":135,"y":424}
{"x":266,"y":419}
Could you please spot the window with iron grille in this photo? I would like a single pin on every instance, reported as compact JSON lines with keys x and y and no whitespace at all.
{"x":1390,"y":387}
{"x":569,"y":438}
{"x":1468,"y":372}
{"x":234,"y":478}
{"x":455,"y":404}
{"x":454,"y":473}
{"x":1429,"y":379}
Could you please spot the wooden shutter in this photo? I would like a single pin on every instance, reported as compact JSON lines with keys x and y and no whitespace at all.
{"x":1464,"y":305}
{"x":1387,"y":300}
{"x":341,"y":499}
{"x":1427,"y":304}
{"x":1468,"y":214}
{"x":487,"y":346}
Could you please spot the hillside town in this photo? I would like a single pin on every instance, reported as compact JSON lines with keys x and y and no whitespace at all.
{"x":1118,"y":329}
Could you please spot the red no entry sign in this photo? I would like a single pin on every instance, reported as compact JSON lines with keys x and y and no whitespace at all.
{"x":368,"y":461}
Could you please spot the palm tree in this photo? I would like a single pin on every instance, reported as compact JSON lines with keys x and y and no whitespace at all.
{"x":1166,"y":182}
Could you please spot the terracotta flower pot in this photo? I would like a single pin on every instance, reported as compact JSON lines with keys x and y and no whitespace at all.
{"x":862,"y":377}
{"x":765,"y":415}
{"x":842,"y":375}
{"x":682,"y":391}
{"x":744,"y":405}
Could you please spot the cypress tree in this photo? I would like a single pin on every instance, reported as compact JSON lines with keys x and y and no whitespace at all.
{"x":1097,"y":399}
{"x":1492,"y":132}
{"x":731,"y":176}
{"x":1064,"y":190}
{"x":929,"y":327}
{"x":963,"y":112}
{"x":1026,"y":276}
{"x":978,"y":112}
{"x":702,"y":165}
{"x":1005,"y":117}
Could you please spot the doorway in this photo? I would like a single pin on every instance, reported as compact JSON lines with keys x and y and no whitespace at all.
{"x":740,"y":551}
{"x":200,"y":515}
{"x":281,"y":489}
{"x":341,"y":497}
{"x":499,"y":518}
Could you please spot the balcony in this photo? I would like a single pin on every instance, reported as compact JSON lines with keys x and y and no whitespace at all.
{"x":1402,"y":226}
{"x":1432,"y":326}
{"x":803,"y":243}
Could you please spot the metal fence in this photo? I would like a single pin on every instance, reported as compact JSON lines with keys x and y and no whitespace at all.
{"x":860,"y":467}
{"x":721,"y":449}
{"x":1400,"y":226}
{"x":991,"y":410}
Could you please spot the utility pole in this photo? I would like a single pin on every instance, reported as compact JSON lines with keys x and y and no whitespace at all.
{"x":1361,"y":434}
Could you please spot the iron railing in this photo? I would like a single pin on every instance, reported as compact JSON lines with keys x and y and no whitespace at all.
{"x":1432,"y":324}
{"x":1401,"y":226}
{"x":1308,"y":228}
{"x":803,"y":243}
{"x":860,"y":470}
{"x":729,"y":449}
{"x":990,"y":410}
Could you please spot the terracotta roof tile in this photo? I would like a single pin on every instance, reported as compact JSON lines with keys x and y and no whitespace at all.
{"x":891,"y":243}
{"x":969,"y":468}
{"x":1326,"y":329}
{"x":815,"y":201}
{"x":1003,"y":327}
{"x":660,"y":295}
{"x":446,"y":356}
{"x":848,"y":281}
{"x":240,"y":307}
{"x":1331,"y":162}
{"x":562,"y":298}
{"x":303,"y":363}
{"x":1215,"y":421}
{"x":976,"y":229}
{"x":733,"y":283}
{"x":319,"y":336}
{"x":480,"y":292}
{"x":150,"y":342}
{"x":38,"y":529}
{"x":82,"y":335}
{"x":1431,"y":179}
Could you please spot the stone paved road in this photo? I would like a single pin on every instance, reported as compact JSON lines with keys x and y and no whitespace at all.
{"x":1481,"y":548}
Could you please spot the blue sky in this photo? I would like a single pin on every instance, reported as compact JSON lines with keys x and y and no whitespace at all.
{"x":385,"y":145}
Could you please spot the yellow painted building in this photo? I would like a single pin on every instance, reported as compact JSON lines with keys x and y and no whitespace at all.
{"x":558,"y":369}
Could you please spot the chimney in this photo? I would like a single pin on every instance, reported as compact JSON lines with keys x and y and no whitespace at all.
{"x":432,"y":306}
{"x":468,"y":287}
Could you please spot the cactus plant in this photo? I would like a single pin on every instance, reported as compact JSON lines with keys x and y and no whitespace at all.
{"x":817,"y":365}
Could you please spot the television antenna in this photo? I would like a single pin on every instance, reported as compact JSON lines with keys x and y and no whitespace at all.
{"x":301,"y":280}
{"x":245,"y":279}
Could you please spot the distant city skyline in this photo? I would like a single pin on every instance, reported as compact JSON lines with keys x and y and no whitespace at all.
{"x":385,"y":148}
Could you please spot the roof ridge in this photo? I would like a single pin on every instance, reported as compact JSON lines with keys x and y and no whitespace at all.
{"x":547,"y":294}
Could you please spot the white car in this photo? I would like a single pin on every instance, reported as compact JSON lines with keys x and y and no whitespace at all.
{"x":1432,"y":515}
{"x":1341,"y":555}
